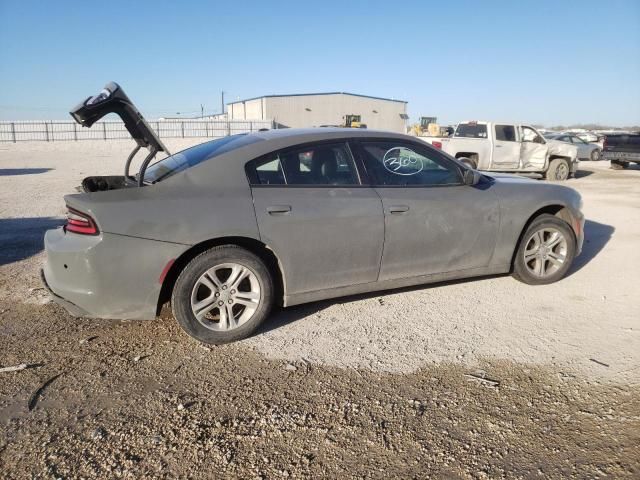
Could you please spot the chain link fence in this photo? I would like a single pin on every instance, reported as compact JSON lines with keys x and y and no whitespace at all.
{"x":61,"y":131}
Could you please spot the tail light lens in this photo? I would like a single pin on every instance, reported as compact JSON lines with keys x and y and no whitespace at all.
{"x":79,"y":222}
{"x":437,"y":144}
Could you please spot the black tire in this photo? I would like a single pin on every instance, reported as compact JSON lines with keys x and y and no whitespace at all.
{"x":559,"y":170}
{"x":520,"y":269}
{"x":181,"y":295}
{"x":618,"y":165}
{"x":595,"y":154}
{"x":470,"y":161}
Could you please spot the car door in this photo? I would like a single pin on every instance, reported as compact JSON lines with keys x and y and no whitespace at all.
{"x":533,"y":150}
{"x":584,"y":150}
{"x":325,"y":227}
{"x":433,"y":223}
{"x":506,"y":148}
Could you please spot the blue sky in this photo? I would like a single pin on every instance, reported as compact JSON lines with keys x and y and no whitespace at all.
{"x":535,"y":61}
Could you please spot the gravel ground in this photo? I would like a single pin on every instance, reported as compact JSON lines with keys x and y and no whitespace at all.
{"x":109,"y":399}
{"x":475,"y":379}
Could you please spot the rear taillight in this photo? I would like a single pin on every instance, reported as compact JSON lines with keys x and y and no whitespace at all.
{"x":437,"y":144}
{"x":604,"y":143}
{"x":79,"y":222}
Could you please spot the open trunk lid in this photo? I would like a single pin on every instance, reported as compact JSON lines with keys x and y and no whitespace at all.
{"x":113,"y":99}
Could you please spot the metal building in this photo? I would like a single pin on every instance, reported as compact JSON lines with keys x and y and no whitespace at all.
{"x":318,"y":109}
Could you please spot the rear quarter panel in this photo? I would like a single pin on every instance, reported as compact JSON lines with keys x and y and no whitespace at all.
{"x":193,"y":206}
{"x":109,"y":276}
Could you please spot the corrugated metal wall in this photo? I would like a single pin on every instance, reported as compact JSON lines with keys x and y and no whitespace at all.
{"x":247,"y":110}
{"x":316,"y":110}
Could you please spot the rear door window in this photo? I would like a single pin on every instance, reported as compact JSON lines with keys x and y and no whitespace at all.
{"x":270,"y":172}
{"x":471,"y":130}
{"x":505,"y":133}
{"x":314,"y":164}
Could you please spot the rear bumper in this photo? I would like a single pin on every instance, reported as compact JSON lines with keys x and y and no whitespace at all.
{"x":621,"y":156}
{"x":73,"y":309}
{"x":107,"y":276}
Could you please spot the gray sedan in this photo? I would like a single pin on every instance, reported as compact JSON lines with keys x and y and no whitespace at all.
{"x":230,"y":228}
{"x":227,"y":229}
{"x":586,"y":150}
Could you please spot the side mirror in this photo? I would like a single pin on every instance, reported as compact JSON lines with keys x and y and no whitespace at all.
{"x":470,"y":177}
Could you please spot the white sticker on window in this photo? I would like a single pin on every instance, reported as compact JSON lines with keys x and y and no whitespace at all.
{"x":402,"y":161}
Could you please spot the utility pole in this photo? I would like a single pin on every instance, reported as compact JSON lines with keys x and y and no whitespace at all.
{"x":201,"y":111}
{"x":222,"y":102}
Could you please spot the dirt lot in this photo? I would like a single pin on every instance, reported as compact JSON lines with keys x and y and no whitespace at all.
{"x":369,"y":386}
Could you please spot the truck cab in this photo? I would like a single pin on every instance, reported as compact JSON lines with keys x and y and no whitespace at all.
{"x":510,"y":147}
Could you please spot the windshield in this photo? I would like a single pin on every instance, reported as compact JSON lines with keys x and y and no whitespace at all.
{"x":471,"y":130}
{"x":190,"y":157}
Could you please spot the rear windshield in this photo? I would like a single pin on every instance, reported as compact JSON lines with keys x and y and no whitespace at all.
{"x":471,"y":130}
{"x":190,"y":157}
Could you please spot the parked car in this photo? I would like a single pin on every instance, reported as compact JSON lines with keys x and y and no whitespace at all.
{"x":586,"y":150}
{"x":589,"y":137}
{"x":622,"y":149}
{"x":508,"y":147}
{"x":229,"y":228}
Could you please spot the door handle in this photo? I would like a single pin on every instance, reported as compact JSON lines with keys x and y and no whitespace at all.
{"x":279,"y":210}
{"x":398,"y":208}
{"x":499,"y":146}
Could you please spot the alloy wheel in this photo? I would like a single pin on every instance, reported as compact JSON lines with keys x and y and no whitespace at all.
{"x":545,"y":252}
{"x":225,"y":296}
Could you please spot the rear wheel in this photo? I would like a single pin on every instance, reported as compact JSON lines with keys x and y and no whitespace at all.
{"x":558,"y":170}
{"x":222,"y":295}
{"x":470,"y":161}
{"x":619,"y":165}
{"x":546,"y":251}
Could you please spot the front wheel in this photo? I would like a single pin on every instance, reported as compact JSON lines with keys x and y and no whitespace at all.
{"x":558,"y":170}
{"x":595,"y":154}
{"x":222,"y":295}
{"x":546,"y":251}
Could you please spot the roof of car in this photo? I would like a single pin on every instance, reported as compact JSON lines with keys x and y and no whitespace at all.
{"x":319,"y":133}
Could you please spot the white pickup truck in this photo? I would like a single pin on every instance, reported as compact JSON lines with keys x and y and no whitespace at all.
{"x":508,"y":147}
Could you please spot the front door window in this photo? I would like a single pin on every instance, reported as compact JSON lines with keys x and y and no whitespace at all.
{"x":530,"y":135}
{"x":398,"y":163}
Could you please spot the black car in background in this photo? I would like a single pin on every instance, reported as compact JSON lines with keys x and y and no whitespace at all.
{"x":622,"y":149}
